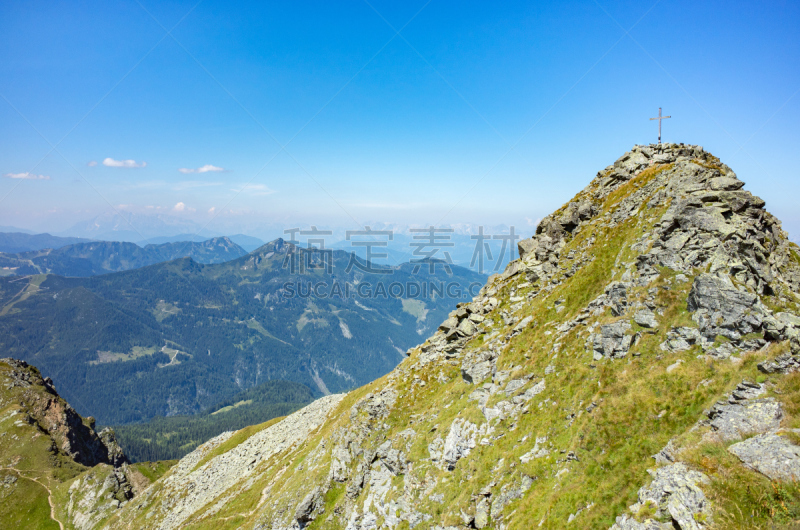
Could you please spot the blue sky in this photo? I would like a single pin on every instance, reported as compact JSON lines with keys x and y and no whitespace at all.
{"x":474,"y":113}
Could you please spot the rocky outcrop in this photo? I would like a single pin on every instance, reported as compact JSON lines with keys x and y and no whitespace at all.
{"x":674,"y":493}
{"x":613,"y":341}
{"x":742,"y":414}
{"x":785,"y":363}
{"x":721,"y":309}
{"x":72,"y":435}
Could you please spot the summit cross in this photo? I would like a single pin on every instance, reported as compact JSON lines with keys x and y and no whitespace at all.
{"x":659,"y":118}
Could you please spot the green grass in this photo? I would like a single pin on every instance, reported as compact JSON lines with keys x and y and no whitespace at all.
{"x":25,"y":505}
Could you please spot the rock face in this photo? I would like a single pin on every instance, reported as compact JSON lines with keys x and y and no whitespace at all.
{"x":44,"y":442}
{"x":58,"y":419}
{"x":537,"y":404}
{"x":721,"y":309}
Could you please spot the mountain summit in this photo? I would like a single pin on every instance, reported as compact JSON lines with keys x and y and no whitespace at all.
{"x":636,"y":368}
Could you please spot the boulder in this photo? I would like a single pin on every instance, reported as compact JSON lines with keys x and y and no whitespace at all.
{"x":674,"y":492}
{"x":731,"y":421}
{"x":466,"y":327}
{"x":304,"y":512}
{"x":725,"y":184}
{"x":613,"y":341}
{"x":645,"y":318}
{"x":448,"y":324}
{"x":617,"y":297}
{"x":681,"y":339}
{"x":771,"y":455}
{"x":478,"y":366}
{"x":721,"y":309}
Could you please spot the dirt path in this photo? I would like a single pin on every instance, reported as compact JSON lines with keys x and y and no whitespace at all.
{"x":49,"y":495}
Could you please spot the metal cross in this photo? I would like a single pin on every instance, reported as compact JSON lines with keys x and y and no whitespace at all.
{"x":660,"y":117}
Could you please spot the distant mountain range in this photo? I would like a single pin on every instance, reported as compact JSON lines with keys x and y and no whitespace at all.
{"x":101,"y":257}
{"x":249,"y":243}
{"x":14,"y":242}
{"x":177,"y":337}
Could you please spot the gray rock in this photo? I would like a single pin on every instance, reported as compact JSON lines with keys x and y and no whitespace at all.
{"x":678,"y":240}
{"x":522,"y":325}
{"x":783,"y":364}
{"x":774,"y":329}
{"x":626,"y":522}
{"x":725,"y":183}
{"x":617,"y":294}
{"x":613,"y":341}
{"x":731,"y":421}
{"x":482,"y":513}
{"x":448,"y":324}
{"x":789,"y":319}
{"x":514,"y":385}
{"x":771,"y":455}
{"x":466,"y":327}
{"x":723,"y":351}
{"x":645,"y":318}
{"x":478,"y":366}
{"x":304,"y":512}
{"x":394,"y":459}
{"x":721,"y":309}
{"x":675,"y":492}
{"x":538,"y":451}
{"x":681,"y":339}
{"x":575,"y":212}
{"x":459,"y":442}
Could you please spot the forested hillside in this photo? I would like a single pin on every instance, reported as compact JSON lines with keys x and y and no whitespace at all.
{"x":177,"y":337}
{"x":168,"y":438}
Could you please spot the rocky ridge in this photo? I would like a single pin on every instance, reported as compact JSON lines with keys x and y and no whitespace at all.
{"x":634,"y":322}
{"x":83,"y":475}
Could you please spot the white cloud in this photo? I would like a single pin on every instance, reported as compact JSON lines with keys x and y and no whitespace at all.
{"x":212,"y":210}
{"x":26,"y":176}
{"x":254,"y":189}
{"x":92,"y":163}
{"x":205,"y":169}
{"x":181,"y":207}
{"x":110,"y":162}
